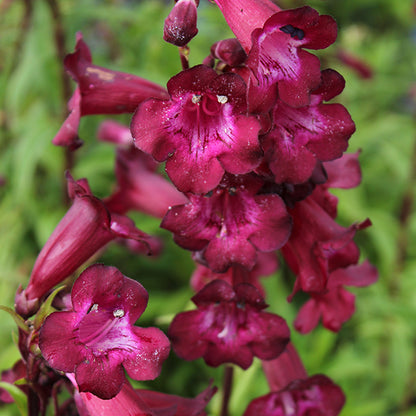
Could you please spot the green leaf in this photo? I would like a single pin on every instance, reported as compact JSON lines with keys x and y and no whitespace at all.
{"x":17,"y":318}
{"x":19,"y":397}
{"x":46,"y":308}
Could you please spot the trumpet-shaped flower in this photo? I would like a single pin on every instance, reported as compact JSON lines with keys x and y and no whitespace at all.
{"x":275,"y":42}
{"x":99,"y":91}
{"x":202,"y":131}
{"x":228,"y":326}
{"x":230,"y":224}
{"x":97,"y":339}
{"x":316,"y":395}
{"x":304,"y":135}
{"x":86,"y":228}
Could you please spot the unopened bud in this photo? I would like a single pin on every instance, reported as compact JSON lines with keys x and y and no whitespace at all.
{"x":180,"y":25}
{"x":229,"y":51}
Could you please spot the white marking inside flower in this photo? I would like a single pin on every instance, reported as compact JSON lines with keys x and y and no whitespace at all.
{"x":118,"y":313}
{"x":196,"y":98}
{"x":94,"y":307}
{"x":222,"y":99}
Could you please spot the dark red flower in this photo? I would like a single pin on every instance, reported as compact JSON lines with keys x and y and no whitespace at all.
{"x":335,"y":305}
{"x":97,"y":339}
{"x":180,"y":25}
{"x":230,"y":224}
{"x":275,"y":42}
{"x":139,"y":186}
{"x":130,"y":402}
{"x":302,"y":136}
{"x":318,"y":246}
{"x":266,"y":264}
{"x":86,"y":228}
{"x":202,"y":131}
{"x":314,"y":396}
{"x":100,"y":91}
{"x":228,"y":326}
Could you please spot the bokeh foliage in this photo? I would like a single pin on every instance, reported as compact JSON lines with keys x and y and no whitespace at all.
{"x":373,"y":357}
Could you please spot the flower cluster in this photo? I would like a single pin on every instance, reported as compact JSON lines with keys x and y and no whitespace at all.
{"x":252,"y":147}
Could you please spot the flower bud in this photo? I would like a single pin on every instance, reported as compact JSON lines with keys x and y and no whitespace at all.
{"x":229,"y":51}
{"x":180,"y":25}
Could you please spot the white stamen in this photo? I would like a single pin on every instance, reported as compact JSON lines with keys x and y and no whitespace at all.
{"x":222,"y":99}
{"x":94,"y":307}
{"x":196,"y":98}
{"x":118,"y":313}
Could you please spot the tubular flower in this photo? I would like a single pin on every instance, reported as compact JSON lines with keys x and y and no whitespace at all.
{"x":140,"y":186}
{"x":99,"y":91}
{"x":274,"y":41}
{"x":230,"y":224}
{"x":335,"y":305}
{"x":266,"y":265}
{"x":86,"y":228}
{"x":97,"y":339}
{"x":202,"y":131}
{"x":228,"y":326}
{"x":318,"y":246}
{"x":316,"y":395}
{"x":130,"y":402}
{"x":302,"y":136}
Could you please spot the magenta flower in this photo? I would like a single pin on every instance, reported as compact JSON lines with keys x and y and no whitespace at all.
{"x":316,"y":395}
{"x":139,"y":186}
{"x":180,"y":25}
{"x":274,"y":41}
{"x":266,"y":265}
{"x":303,"y":135}
{"x":244,"y":16}
{"x":202,"y":131}
{"x":100,"y":91}
{"x":335,"y":305}
{"x":178,"y":406}
{"x":357,"y":64}
{"x":318,"y":246}
{"x":86,"y":228}
{"x":142,"y":403}
{"x":277,"y":54}
{"x":113,"y":132}
{"x":343,"y":173}
{"x":229,"y":52}
{"x":230,"y":225}
{"x":228,"y":326}
{"x":97,"y":339}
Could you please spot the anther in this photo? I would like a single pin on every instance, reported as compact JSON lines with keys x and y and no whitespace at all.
{"x":293,"y":31}
{"x":93,"y":308}
{"x":118,"y":313}
{"x":196,"y":98}
{"x":222,"y":99}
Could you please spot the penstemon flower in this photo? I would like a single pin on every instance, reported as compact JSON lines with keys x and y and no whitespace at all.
{"x":274,"y":41}
{"x":316,"y":395}
{"x":97,"y":339}
{"x":228,"y":326}
{"x":231,"y":224}
{"x":302,"y":136}
{"x":252,"y":148}
{"x":202,"y":131}
{"x":86,"y":228}
{"x":99,"y":91}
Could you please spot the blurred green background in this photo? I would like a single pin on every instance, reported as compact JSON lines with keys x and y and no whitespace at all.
{"x":373,"y":358}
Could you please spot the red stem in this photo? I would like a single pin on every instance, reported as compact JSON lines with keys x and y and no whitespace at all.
{"x":227,"y":387}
